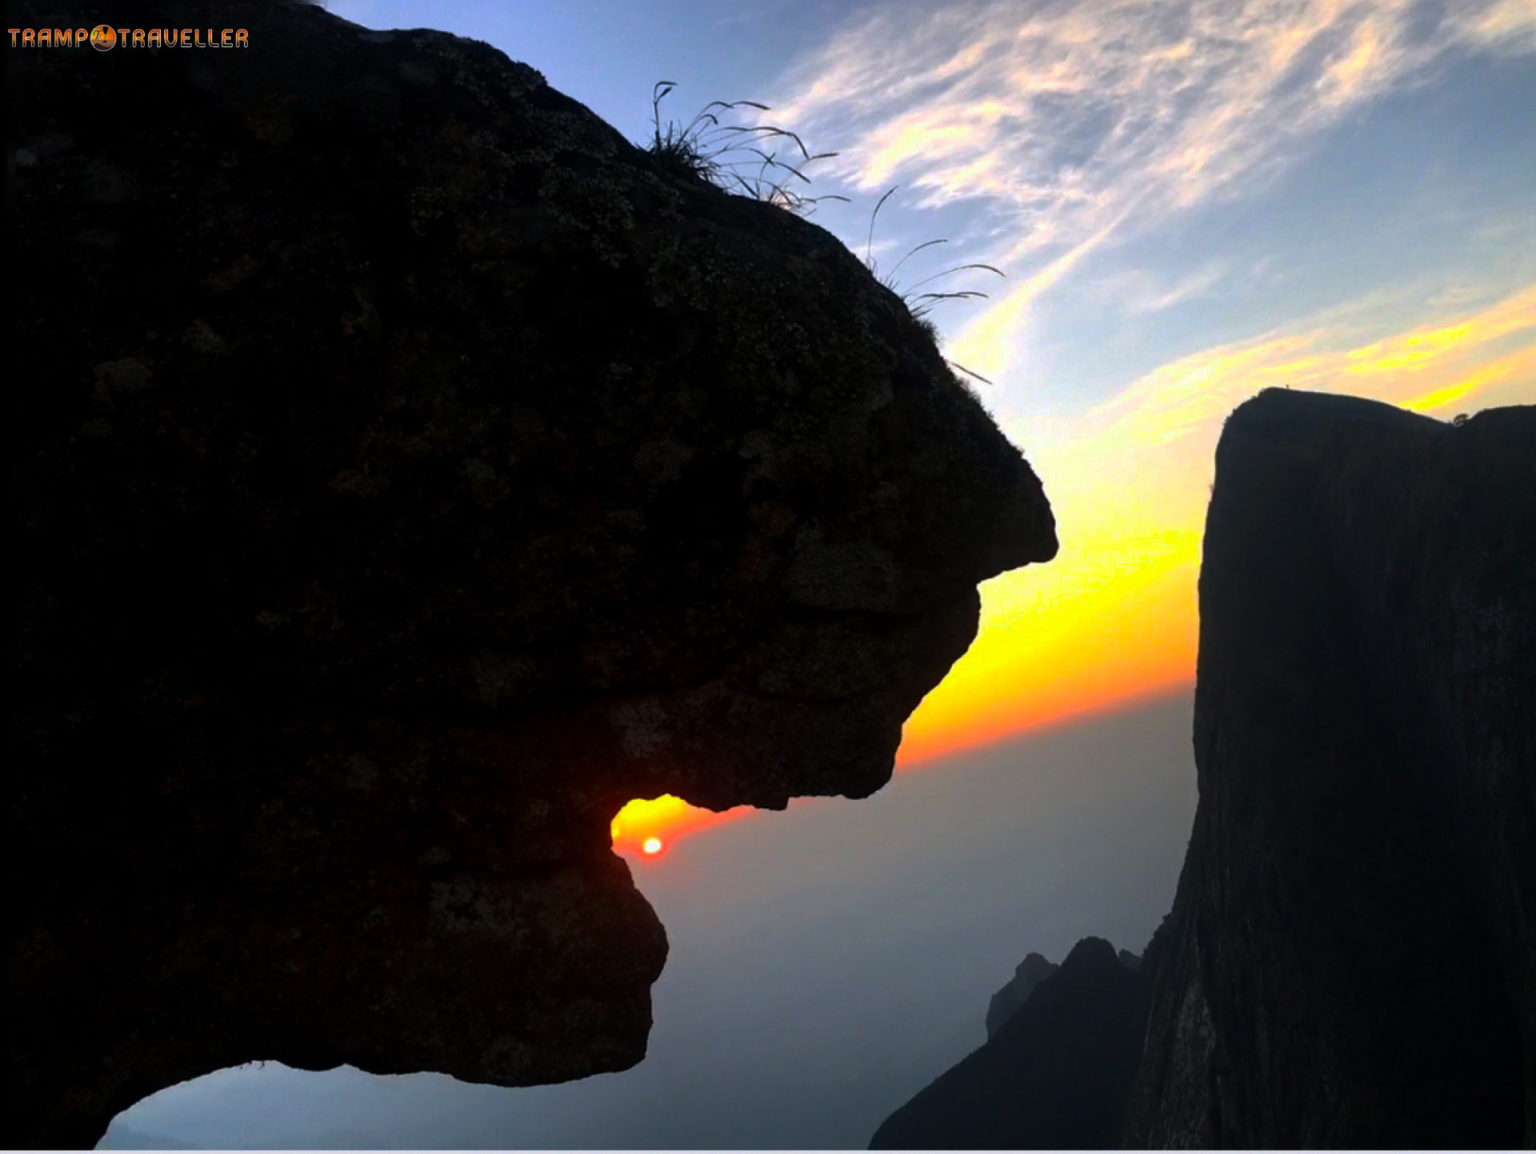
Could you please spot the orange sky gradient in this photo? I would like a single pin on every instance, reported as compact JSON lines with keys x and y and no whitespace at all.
{"x":1112,"y":619}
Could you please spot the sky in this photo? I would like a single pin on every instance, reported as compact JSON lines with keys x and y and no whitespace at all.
{"x":1189,"y":201}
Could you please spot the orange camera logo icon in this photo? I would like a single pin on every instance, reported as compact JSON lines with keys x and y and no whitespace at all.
{"x":104,"y":37}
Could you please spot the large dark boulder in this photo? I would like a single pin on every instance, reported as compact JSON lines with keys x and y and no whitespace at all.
{"x":409,"y":471}
{"x":1351,"y":956}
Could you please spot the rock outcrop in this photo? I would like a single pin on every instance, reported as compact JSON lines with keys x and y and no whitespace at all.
{"x":409,"y":471}
{"x":1056,"y":1075}
{"x":1351,"y":956}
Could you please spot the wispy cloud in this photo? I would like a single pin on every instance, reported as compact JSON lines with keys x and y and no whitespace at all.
{"x":1505,"y":23}
{"x":1423,"y":367}
{"x":1137,"y":290}
{"x":1070,"y":117}
{"x":986,"y":341}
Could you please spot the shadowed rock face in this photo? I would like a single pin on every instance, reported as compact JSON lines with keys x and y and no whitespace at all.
{"x":408,"y":474}
{"x":1351,"y":956}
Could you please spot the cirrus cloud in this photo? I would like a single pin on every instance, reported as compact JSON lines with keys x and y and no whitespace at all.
{"x":1073,"y":117}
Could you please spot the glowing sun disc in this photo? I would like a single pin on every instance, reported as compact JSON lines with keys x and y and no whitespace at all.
{"x":652,"y":845}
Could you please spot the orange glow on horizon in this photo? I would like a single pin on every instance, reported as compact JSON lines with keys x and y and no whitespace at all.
{"x":1112,"y":621}
{"x":1113,"y":626}
{"x":1130,"y":640}
{"x":1090,"y":638}
{"x":657,"y":822}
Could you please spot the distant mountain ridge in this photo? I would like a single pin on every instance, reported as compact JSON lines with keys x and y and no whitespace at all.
{"x":1056,"y":1073}
{"x":1351,"y":955}
{"x":1033,"y":970}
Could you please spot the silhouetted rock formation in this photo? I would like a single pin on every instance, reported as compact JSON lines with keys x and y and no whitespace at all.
{"x":409,"y":473}
{"x":1033,"y":970}
{"x":1351,"y":956}
{"x":1056,"y":1074}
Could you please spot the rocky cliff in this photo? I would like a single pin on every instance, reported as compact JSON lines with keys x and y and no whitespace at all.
{"x":1351,"y":955}
{"x":409,"y":471}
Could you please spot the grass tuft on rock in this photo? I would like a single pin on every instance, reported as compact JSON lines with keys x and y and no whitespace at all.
{"x":694,"y":151}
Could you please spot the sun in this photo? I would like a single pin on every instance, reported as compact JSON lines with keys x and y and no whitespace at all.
{"x":651,"y":845}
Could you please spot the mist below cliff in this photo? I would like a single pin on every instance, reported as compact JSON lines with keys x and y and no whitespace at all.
{"x":813,"y":984}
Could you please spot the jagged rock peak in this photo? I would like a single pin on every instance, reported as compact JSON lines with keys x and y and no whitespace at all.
{"x":1033,"y":970}
{"x":1055,"y":1075}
